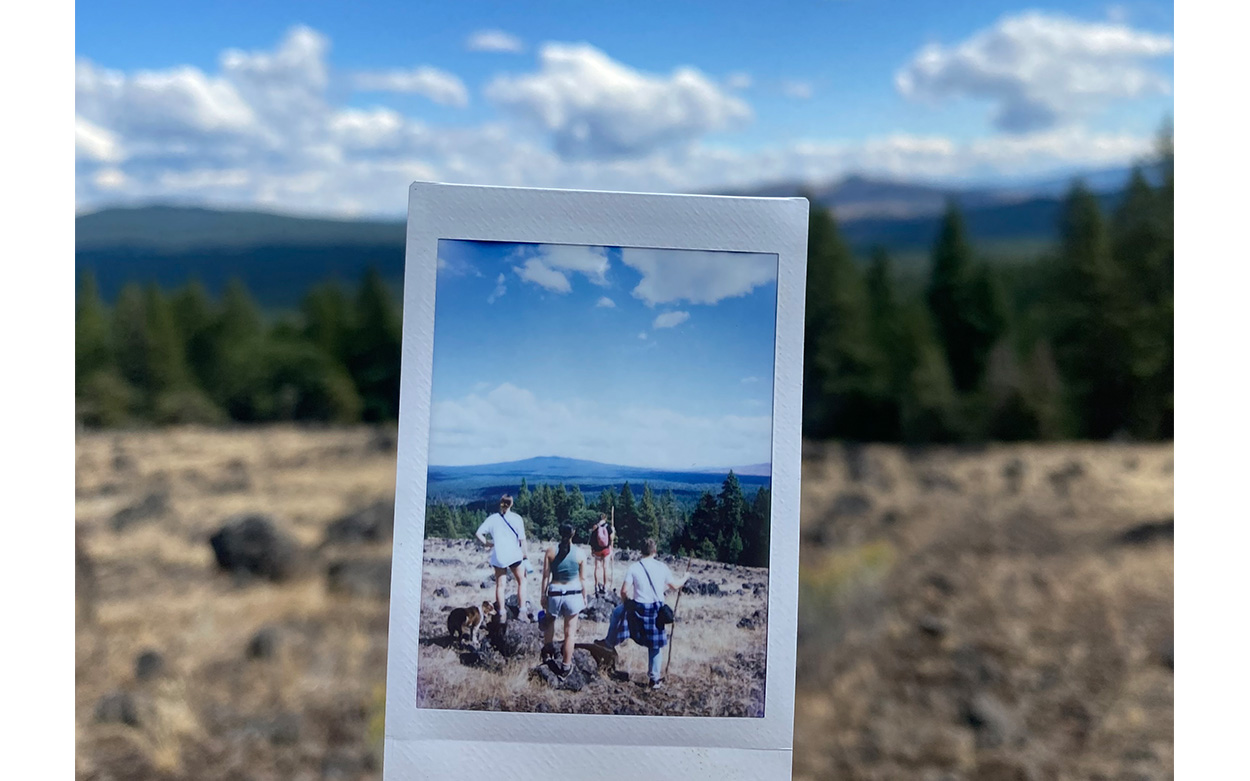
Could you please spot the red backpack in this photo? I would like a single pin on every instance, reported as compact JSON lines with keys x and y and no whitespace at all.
{"x":602,"y":537}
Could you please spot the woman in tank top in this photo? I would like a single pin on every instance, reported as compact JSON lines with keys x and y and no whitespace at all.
{"x":562,"y":589}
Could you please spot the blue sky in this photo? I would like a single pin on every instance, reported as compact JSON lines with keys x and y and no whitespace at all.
{"x":653,"y":358}
{"x":329,"y":108}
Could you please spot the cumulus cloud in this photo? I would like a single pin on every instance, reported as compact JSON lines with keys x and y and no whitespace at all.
{"x":263,"y":132}
{"x":594,"y":107}
{"x":669,"y":276}
{"x":494,"y":41}
{"x":500,"y":289}
{"x":511,"y":423}
{"x":539,"y":273}
{"x":605,"y":303}
{"x":670,"y":319}
{"x":438,"y":85}
{"x":1039,"y":70}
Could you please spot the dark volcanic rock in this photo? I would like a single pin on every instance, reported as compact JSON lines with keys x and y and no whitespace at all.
{"x":149,"y":665}
{"x":151,"y":507}
{"x":1146,"y":533}
{"x":442,"y":592}
{"x":600,"y":608}
{"x":375,"y":523}
{"x":992,"y":720}
{"x":515,"y":638}
{"x":932,"y":626}
{"x":582,"y":672}
{"x":117,"y":707}
{"x":253,"y":545}
{"x":463,"y":584}
{"x":753,"y":621}
{"x":360,"y":577}
{"x":263,"y":644}
{"x":704,"y":587}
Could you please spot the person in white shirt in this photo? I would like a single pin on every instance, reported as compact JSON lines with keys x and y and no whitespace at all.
{"x":635,"y":618}
{"x":507,"y":544}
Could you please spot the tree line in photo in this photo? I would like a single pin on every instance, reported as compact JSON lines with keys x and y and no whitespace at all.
{"x":727,"y":526}
{"x":1076,"y":343}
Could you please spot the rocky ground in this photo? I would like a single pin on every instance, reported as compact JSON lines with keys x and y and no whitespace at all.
{"x":994,"y":613}
{"x":717,"y":664}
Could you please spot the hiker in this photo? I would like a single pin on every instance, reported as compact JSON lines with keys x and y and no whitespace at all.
{"x":642,"y":594}
{"x":507,"y":544}
{"x":563,"y":588}
{"x":601,"y":538}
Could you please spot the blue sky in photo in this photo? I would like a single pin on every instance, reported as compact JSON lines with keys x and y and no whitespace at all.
{"x":652,"y":358}
{"x":332,"y":108}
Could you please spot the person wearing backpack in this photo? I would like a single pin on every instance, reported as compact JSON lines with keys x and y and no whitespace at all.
{"x":563,"y":590}
{"x":642,"y":614}
{"x":507,"y":554}
{"x":601,"y":538}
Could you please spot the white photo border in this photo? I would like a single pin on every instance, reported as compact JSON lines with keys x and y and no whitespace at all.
{"x":423,"y":740}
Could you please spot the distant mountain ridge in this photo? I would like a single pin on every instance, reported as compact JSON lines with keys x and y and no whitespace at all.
{"x":479,"y":482}
{"x":280,"y":256}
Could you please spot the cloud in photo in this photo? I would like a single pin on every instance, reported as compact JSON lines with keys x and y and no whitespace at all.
{"x":670,"y":319}
{"x":438,"y":85}
{"x":512,"y":423}
{"x":500,"y":289}
{"x":548,"y":265}
{"x":670,"y":276}
{"x":494,"y":41}
{"x":593,"y":107}
{"x":1040,"y":70}
{"x":539,"y":273}
{"x":605,"y":303}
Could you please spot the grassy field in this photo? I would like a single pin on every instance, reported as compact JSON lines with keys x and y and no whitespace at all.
{"x":993,"y":613}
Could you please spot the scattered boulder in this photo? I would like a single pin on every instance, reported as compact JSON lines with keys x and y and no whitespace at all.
{"x":264,"y":643}
{"x":753,"y":621}
{"x":442,"y":592}
{"x":360,"y":578}
{"x":149,"y":665}
{"x":991,"y":719}
{"x":622,"y":555}
{"x":932,"y":626}
{"x":1146,"y":533}
{"x":375,"y":523}
{"x":1062,"y":479}
{"x":463,"y":584}
{"x":117,"y":707}
{"x":483,"y":656}
{"x":151,"y":507}
{"x":253,"y":545}
{"x":600,"y":608}
{"x":704,"y":587}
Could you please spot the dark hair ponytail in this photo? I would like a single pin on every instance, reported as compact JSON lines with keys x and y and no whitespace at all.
{"x":566,"y":543}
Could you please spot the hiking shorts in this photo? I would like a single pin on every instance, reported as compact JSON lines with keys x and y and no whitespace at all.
{"x":601,"y":554}
{"x":565,"y":605}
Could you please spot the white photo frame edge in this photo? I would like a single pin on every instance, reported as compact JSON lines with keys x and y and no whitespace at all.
{"x":419,"y":739}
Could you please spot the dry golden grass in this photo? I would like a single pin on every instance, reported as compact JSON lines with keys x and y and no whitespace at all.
{"x":928,"y":578}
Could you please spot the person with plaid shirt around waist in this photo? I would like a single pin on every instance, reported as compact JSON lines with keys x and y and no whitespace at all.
{"x":642,"y":594}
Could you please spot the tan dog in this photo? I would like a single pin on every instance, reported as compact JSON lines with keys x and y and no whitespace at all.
{"x":467,"y":620}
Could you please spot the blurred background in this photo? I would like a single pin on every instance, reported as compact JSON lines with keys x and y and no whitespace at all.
{"x":987,"y":568}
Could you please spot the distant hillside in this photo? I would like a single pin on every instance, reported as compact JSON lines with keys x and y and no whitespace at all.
{"x":280,"y":256}
{"x":487,"y":481}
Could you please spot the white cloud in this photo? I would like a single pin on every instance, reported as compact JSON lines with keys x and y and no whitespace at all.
{"x":96,"y":143}
{"x":605,"y":303}
{"x":589,"y":261}
{"x":1039,"y":69}
{"x":510,"y":423}
{"x":594,"y":107}
{"x":669,"y":276}
{"x":534,"y":270}
{"x":739,"y":80}
{"x":799,"y":90}
{"x":642,"y":335}
{"x":494,"y":41}
{"x":500,"y":289}
{"x":438,"y":85}
{"x":263,"y":132}
{"x":670,"y":319}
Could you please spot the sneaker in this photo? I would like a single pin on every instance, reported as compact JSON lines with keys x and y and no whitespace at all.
{"x":529,"y":612}
{"x":561,"y":670}
{"x":657,"y":684}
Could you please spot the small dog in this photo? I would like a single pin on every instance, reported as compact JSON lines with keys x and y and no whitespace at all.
{"x":467,"y":620}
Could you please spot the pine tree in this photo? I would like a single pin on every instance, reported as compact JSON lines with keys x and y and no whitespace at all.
{"x":327,"y":319}
{"x":93,"y":343}
{"x":523,"y":499}
{"x":373,"y":354}
{"x":130,"y":337}
{"x":649,"y":514}
{"x":841,"y":369}
{"x":731,"y":512}
{"x":966,"y":302}
{"x":440,"y":522}
{"x":927,"y":401}
{"x":629,"y":529}
{"x":702,"y":528}
{"x":755,"y":553}
{"x":194,"y":313}
{"x":166,"y":358}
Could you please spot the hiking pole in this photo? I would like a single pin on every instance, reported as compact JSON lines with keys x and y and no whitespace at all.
{"x":672,"y":633}
{"x":612,"y":547}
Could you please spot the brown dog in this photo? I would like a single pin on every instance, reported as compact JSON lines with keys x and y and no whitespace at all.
{"x":467,"y":620}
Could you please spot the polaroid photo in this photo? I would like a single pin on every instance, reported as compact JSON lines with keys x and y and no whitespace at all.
{"x":596,"y":546}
